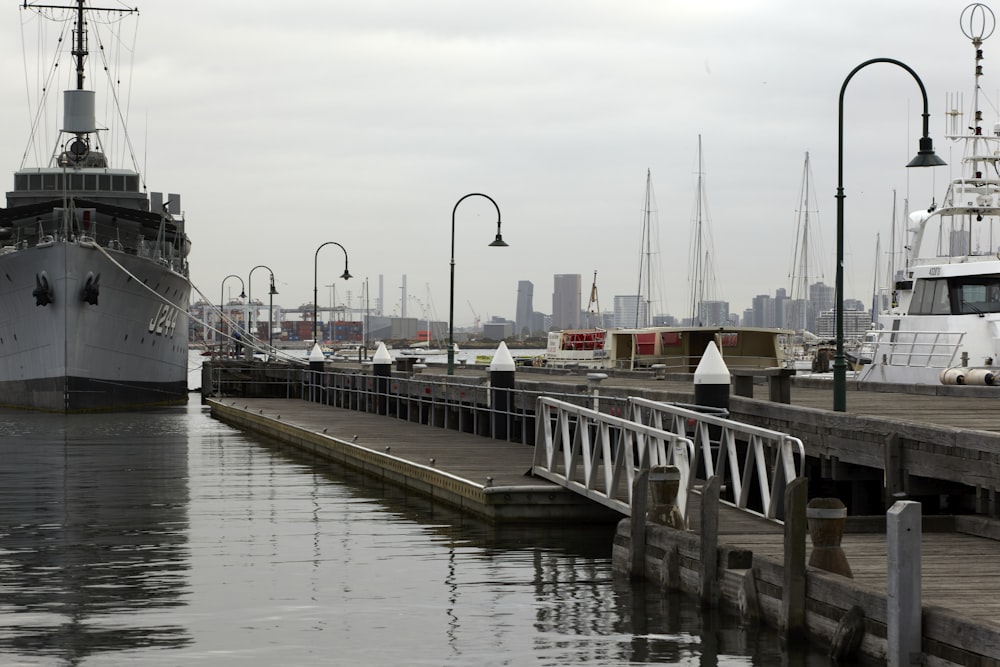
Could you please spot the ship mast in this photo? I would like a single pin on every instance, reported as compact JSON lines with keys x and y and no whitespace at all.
{"x":79,"y":51}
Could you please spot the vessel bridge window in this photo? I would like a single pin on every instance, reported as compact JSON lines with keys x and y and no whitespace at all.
{"x":967,"y":295}
{"x":84,"y":182}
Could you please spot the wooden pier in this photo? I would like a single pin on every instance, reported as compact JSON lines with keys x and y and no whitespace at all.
{"x":486,"y":477}
{"x":926,"y":444}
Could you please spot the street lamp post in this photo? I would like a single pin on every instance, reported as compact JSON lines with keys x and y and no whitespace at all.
{"x":270,"y":301}
{"x":222,"y":298}
{"x":925,"y":158}
{"x":346,"y":275}
{"x":498,"y":242}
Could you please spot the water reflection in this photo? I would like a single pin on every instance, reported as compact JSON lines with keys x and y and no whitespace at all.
{"x":170,"y":538}
{"x":93,"y":531}
{"x":515,"y":594}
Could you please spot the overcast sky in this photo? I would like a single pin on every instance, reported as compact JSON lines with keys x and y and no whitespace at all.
{"x":286,"y":125}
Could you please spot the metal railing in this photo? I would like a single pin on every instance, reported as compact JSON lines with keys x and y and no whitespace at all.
{"x":740,"y":454}
{"x":599,"y":455}
{"x":928,"y":349}
{"x":469,"y":407}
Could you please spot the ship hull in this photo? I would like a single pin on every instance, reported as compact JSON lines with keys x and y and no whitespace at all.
{"x":128,"y":350}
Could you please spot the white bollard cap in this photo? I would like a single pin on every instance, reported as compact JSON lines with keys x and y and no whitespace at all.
{"x":316,"y":354}
{"x":712,"y":369}
{"x":502,"y":361}
{"x":382,"y":355}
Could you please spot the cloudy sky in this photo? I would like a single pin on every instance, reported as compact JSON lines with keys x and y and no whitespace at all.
{"x":286,"y":125}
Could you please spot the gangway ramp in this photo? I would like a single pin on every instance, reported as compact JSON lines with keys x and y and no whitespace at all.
{"x":599,"y":455}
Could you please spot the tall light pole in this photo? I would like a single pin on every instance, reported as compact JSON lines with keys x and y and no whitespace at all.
{"x":270,"y":302}
{"x":498,"y":242}
{"x":346,"y":275}
{"x":925,"y":158}
{"x":222,"y":297}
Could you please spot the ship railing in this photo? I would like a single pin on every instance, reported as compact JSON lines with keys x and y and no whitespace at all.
{"x":918,"y":349}
{"x":600,"y":456}
{"x":754,"y":464}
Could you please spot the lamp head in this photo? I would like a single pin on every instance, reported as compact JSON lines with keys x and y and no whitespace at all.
{"x":273,"y":290}
{"x":926,"y":157}
{"x":346,"y":275}
{"x":243,"y":294}
{"x":498,"y":242}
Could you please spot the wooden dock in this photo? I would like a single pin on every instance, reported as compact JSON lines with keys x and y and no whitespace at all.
{"x":960,"y":558}
{"x":489,"y":478}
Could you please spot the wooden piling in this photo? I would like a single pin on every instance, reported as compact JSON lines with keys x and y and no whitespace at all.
{"x":709,"y":545}
{"x":637,"y":550}
{"x":793,"y":598}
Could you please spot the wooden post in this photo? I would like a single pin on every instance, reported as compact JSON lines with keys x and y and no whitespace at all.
{"x":793,"y":592}
{"x":895,"y":487}
{"x":903,"y":602}
{"x":708,"y":583}
{"x":640,"y":487}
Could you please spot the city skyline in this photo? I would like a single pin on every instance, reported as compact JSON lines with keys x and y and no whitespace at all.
{"x":555,"y":110}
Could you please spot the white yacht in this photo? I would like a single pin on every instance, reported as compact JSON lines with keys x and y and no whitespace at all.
{"x":942,"y":324}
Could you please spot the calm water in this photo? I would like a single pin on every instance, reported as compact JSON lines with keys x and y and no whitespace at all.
{"x":167,"y":538}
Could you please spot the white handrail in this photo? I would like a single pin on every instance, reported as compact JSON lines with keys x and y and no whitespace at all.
{"x":598,"y":455}
{"x":770,"y":456}
{"x":929,"y":349}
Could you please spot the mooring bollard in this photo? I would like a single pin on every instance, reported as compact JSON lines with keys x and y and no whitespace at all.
{"x":712,"y":379}
{"x":664,"y":483}
{"x":826,"y":518}
{"x":316,"y":362}
{"x":502,"y":370}
{"x":382,"y":370}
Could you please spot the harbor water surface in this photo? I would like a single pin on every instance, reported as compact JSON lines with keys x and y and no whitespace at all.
{"x":168,"y":538}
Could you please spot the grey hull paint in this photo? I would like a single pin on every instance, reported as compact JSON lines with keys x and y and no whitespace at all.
{"x":128,"y":350}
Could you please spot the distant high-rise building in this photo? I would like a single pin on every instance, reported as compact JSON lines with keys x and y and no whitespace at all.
{"x":763,"y":311}
{"x":524,"y":309}
{"x":821,"y":299}
{"x":630,"y":311}
{"x":713,"y":313}
{"x":566,"y":299}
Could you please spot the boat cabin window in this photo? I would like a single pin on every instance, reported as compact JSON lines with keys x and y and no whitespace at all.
{"x":930,"y":297}
{"x":956,"y":296}
{"x":976,"y":294}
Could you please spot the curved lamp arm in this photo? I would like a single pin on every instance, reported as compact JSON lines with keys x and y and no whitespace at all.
{"x":346,"y":275}
{"x":925,"y":158}
{"x":498,"y":242}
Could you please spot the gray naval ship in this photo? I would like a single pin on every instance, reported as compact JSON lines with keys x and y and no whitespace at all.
{"x":94,"y":282}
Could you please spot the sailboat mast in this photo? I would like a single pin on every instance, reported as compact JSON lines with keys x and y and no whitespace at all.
{"x":644,"y":260}
{"x":797,"y":317}
{"x":878,"y":251}
{"x":697,"y":269}
{"x":804,"y":259}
